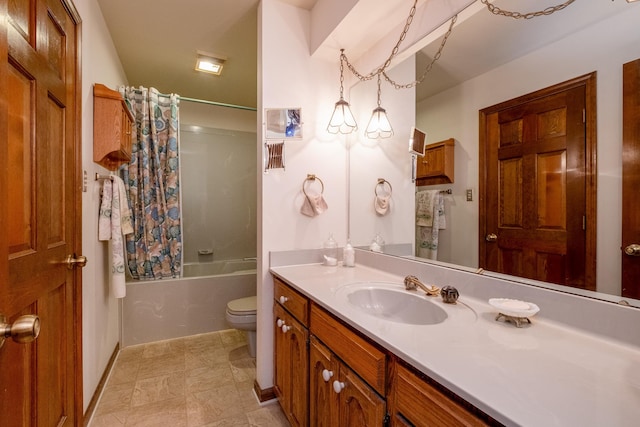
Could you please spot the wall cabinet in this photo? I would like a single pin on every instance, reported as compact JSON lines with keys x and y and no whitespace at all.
{"x":437,"y":164}
{"x":112,"y":128}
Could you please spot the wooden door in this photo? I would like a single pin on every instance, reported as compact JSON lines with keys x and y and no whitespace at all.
{"x":537,"y":207}
{"x":631,"y":180}
{"x":323,"y":371}
{"x":41,"y":381}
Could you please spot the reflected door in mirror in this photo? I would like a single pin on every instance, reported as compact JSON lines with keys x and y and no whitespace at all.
{"x":534,"y":187}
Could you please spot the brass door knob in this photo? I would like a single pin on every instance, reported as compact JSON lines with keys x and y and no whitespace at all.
{"x":632,"y":250}
{"x":491,"y":237}
{"x":24,"y":330}
{"x":71,"y":262}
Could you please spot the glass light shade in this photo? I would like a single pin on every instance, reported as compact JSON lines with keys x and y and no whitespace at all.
{"x":379,"y":126}
{"x":342,"y":120}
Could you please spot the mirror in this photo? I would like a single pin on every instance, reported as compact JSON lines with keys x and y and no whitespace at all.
{"x":480,"y":67}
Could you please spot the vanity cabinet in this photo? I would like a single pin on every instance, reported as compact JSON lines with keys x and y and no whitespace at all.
{"x":437,"y":164}
{"x":338,"y":397}
{"x":112,"y":128}
{"x":415,"y":401}
{"x":291,"y":353}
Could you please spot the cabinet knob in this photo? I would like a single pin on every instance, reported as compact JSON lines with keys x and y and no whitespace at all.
{"x":326,"y":375}
{"x":283,"y":299}
{"x":338,"y":386}
{"x":285,"y":328}
{"x":279,"y":322}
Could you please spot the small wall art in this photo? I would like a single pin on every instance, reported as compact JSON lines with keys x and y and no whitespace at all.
{"x":283,"y":123}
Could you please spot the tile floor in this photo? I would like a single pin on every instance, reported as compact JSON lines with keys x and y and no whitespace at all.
{"x":203,"y":380}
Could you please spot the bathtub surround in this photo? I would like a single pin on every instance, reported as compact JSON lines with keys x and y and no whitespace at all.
{"x":170,"y":308}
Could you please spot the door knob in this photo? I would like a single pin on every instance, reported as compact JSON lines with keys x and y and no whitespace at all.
{"x":71,"y":262}
{"x":632,"y":250}
{"x":24,"y":330}
{"x":491,"y":237}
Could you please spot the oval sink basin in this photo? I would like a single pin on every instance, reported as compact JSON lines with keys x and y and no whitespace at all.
{"x":397,"y":306}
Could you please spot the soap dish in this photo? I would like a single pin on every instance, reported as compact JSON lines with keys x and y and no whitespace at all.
{"x":514,"y":310}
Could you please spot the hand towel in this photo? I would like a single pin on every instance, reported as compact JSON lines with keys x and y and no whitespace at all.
{"x":381,"y":204}
{"x":104,"y":215}
{"x":126,"y":218}
{"x":313,"y":205}
{"x":425,"y":202}
{"x":427,"y":236}
{"x":118,"y":285}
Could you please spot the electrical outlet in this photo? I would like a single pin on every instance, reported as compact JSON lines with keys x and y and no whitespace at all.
{"x":469,"y":195}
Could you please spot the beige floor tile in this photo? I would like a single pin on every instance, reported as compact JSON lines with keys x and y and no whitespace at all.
{"x":161,"y":348}
{"x":114,"y":419}
{"x":172,"y":412}
{"x":243,"y":369}
{"x":164,"y":364}
{"x":206,"y":378}
{"x":236,"y":421}
{"x":116,"y":398}
{"x":270,"y":415}
{"x":213,"y":405}
{"x":156,"y":389}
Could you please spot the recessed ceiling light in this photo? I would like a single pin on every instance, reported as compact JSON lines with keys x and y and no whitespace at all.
{"x":208,"y":63}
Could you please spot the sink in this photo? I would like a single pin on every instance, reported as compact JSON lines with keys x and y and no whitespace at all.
{"x":396,"y":305}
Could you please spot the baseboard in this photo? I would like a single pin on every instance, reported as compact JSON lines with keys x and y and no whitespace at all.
{"x":103,"y":381}
{"x":263,"y":395}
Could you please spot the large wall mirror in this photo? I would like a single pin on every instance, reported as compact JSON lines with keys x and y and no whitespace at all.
{"x":488,"y":60}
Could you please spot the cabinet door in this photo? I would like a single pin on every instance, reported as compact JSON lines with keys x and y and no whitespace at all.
{"x":434,"y":159}
{"x":359,"y":405}
{"x":291,"y":367}
{"x":323,"y":401}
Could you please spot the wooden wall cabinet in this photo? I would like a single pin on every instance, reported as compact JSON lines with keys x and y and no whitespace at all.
{"x":112,"y":128}
{"x":437,"y":164}
{"x":291,"y":367}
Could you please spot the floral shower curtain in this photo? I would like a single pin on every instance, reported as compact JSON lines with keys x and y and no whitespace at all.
{"x":154,"y":250}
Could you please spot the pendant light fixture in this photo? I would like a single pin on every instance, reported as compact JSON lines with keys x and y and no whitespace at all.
{"x":379,"y":126}
{"x":342,"y":120}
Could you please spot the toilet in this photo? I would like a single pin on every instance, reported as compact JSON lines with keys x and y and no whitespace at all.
{"x":241,"y":314}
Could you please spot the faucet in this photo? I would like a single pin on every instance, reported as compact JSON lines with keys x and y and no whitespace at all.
{"x":412,"y":282}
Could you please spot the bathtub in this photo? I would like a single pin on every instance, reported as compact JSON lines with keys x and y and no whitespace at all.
{"x":193,"y":304}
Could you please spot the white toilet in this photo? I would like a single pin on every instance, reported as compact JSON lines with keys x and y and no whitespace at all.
{"x":241,"y":314}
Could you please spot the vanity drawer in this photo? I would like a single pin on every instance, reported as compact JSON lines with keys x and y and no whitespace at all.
{"x":295,"y":303}
{"x":358,"y":353}
{"x":422,"y":404}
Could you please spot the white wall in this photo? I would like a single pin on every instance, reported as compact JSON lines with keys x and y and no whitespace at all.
{"x":289,"y":77}
{"x":100,"y":316}
{"x":454,"y":113}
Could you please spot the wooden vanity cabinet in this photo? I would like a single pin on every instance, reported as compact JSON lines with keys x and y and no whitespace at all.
{"x":112,"y":128}
{"x":415,"y":401}
{"x":437,"y":164}
{"x":291,"y":368}
{"x":338,"y":396}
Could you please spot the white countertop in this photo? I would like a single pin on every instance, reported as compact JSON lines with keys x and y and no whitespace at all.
{"x":543,"y":374}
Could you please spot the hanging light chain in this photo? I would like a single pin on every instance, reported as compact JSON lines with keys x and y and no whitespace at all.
{"x":341,"y":74}
{"x":517,"y":15}
{"x":394,"y":51}
{"x":429,"y":67}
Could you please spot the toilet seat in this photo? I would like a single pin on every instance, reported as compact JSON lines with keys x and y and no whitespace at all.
{"x":243,"y":306}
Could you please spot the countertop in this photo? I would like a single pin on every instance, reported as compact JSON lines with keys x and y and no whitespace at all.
{"x":542,"y":374}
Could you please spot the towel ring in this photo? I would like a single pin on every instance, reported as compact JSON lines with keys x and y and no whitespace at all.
{"x":381,"y":183}
{"x":312,"y":178}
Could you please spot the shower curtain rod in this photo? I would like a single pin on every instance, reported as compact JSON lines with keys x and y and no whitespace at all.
{"x":204,"y":101}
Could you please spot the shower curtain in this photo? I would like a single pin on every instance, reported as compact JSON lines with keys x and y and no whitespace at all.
{"x":154,"y":250}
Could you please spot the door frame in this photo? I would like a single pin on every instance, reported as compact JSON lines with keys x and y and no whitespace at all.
{"x":589,"y":83}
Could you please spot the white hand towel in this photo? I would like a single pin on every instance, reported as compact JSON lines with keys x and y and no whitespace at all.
{"x":313,"y":205}
{"x":425,"y":202}
{"x":104,"y":215}
{"x":381,"y":204}
{"x":118,"y":285}
{"x":126,"y":218}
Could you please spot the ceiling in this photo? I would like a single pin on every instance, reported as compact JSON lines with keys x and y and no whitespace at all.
{"x":157,"y":40}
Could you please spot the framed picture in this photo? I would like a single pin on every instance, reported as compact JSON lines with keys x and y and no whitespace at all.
{"x":283,"y":123}
{"x":417,"y":141}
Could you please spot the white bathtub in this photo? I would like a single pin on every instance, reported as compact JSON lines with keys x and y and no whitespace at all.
{"x":194,"y":304}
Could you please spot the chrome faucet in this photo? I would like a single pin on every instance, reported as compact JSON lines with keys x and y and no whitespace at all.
{"x":412,"y":283}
